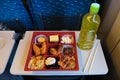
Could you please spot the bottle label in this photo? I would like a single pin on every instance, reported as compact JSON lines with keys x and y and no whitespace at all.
{"x":90,"y":35}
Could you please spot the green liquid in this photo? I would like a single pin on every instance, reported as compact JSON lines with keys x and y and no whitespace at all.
{"x":90,"y":24}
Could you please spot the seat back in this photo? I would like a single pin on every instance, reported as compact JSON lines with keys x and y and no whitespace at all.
{"x":10,"y":10}
{"x":60,"y":22}
{"x":46,"y":14}
{"x":14,"y":25}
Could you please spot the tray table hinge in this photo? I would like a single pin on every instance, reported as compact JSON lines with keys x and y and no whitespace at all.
{"x":18,"y":36}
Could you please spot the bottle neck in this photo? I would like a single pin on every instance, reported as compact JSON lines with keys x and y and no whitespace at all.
{"x":93,"y":17}
{"x":92,"y":13}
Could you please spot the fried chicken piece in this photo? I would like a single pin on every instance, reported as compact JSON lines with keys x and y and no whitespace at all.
{"x":59,"y":49}
{"x":53,"y":51}
{"x":36,"y":49}
{"x":56,"y":50}
{"x":43,"y":48}
{"x":39,"y":49}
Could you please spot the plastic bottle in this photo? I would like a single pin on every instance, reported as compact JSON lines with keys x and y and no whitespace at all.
{"x":89,"y":27}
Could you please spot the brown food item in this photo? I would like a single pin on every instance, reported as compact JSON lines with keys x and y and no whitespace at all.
{"x":36,"y":63}
{"x":68,"y":51}
{"x":67,"y":62}
{"x":43,"y":48}
{"x":36,"y":49}
{"x":39,"y":49}
{"x":53,"y":51}
{"x":59,"y":49}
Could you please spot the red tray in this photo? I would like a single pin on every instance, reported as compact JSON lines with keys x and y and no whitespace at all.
{"x":59,"y":48}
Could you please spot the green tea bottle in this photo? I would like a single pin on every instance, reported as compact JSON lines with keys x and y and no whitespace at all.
{"x":89,"y":27}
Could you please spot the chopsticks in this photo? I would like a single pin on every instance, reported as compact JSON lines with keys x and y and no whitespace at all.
{"x":91,"y":57}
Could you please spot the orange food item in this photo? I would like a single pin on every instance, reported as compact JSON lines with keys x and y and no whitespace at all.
{"x":41,"y":39}
{"x":39,"y":49}
{"x":43,"y":48}
{"x":36,"y":49}
{"x":53,"y":51}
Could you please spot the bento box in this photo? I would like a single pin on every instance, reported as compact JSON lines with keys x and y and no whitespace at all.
{"x":52,"y":51}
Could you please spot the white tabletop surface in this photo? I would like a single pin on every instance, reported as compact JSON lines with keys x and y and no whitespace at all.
{"x":6,"y":45}
{"x":98,"y":67}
